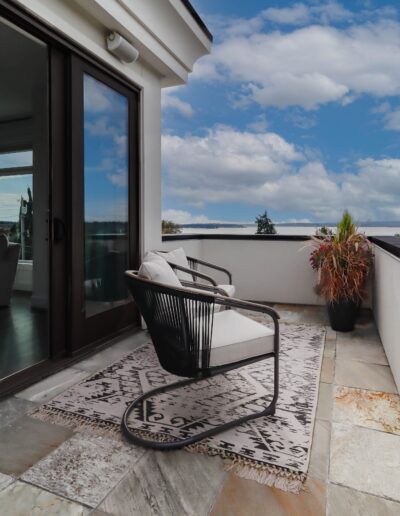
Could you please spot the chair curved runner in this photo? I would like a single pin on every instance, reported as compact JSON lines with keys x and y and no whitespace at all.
{"x":183,"y":325}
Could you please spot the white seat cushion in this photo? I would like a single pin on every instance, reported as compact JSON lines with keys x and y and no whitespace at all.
{"x":161,"y":272}
{"x":236,"y":337}
{"x":178,"y":257}
{"x":229,"y":289}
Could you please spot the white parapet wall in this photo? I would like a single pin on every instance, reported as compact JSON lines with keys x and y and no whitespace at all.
{"x":386,"y":306}
{"x":272,"y":270}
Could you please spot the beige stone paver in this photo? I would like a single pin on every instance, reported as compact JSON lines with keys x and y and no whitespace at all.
{"x":240,"y":497}
{"x":356,"y":426}
{"x":371,"y":409}
{"x":352,"y":373}
{"x":20,"y":499}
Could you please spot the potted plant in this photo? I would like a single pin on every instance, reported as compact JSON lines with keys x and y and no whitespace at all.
{"x":343,"y":262}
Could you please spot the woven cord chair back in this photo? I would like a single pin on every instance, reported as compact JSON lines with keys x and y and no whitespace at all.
{"x":180,"y":323}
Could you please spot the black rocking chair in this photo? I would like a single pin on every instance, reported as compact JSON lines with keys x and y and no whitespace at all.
{"x":181,"y":323}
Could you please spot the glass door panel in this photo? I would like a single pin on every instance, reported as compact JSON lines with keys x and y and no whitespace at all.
{"x":106,"y":196}
{"x":24,"y":200}
{"x":104,"y":186}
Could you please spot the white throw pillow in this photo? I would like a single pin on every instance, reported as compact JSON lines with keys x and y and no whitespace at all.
{"x":153,"y":257}
{"x":178,"y":257}
{"x":160,"y":272}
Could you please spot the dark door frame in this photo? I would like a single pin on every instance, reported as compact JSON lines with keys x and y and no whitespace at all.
{"x":61,"y":48}
{"x":85,"y":331}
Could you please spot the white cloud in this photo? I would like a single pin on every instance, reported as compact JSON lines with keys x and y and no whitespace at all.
{"x":301,"y":14}
{"x":119,"y":178}
{"x":202,"y":169}
{"x":287,"y":89}
{"x":309,"y":66}
{"x":184,"y":217}
{"x":259,"y":125}
{"x":96,"y":96}
{"x":392,"y":120}
{"x":263,"y":169}
{"x":298,"y":14}
{"x":100,"y":127}
{"x":9,"y":206}
{"x":170,"y":101}
{"x":225,"y":26}
{"x":121,"y":145}
{"x":381,"y":108}
{"x":390,"y":116}
{"x":301,"y":120}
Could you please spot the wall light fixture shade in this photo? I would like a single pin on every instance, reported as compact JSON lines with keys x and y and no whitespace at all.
{"x":121,"y":48}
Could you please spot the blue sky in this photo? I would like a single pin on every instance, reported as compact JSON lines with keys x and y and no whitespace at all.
{"x":105,"y":156}
{"x":296,"y":111}
{"x":106,"y":152}
{"x":12,"y":187}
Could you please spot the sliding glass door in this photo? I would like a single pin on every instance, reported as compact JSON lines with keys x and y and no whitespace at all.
{"x":68,"y":200}
{"x":24,"y":200}
{"x":104,"y":199}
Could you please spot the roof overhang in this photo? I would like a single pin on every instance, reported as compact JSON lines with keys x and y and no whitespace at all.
{"x":167,"y":34}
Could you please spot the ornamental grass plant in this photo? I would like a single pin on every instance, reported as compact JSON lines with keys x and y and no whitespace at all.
{"x":343,"y":262}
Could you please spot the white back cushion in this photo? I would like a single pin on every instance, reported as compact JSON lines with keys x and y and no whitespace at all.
{"x":153,"y":257}
{"x":178,"y":257}
{"x":159,"y":271}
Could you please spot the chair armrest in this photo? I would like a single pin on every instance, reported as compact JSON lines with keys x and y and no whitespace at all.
{"x":248,"y":305}
{"x":211,"y":266}
{"x":193,"y":272}
{"x":201,"y":286}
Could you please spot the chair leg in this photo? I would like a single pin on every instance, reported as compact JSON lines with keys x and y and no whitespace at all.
{"x":131,"y":436}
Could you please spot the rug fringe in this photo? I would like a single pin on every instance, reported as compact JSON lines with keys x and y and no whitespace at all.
{"x":77,"y":422}
{"x":267,"y":474}
{"x":267,"y":477}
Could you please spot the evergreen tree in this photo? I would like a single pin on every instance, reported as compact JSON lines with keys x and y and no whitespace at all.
{"x":170,"y":228}
{"x":265,"y":226}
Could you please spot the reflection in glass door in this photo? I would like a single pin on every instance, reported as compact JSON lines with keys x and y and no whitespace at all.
{"x":104,"y":200}
{"x":24,"y":194}
{"x":106,"y":196}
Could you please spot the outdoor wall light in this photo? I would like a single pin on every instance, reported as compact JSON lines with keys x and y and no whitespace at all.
{"x":121,"y":48}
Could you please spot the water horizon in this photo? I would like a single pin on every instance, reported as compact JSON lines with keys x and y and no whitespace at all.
{"x":289,"y":230}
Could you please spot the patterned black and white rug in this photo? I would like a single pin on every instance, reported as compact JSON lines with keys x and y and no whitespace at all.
{"x":274,"y":450}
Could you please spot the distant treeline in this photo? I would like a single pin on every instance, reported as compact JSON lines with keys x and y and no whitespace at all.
{"x":107,"y":227}
{"x":212,"y":226}
{"x":216,"y":225}
{"x":376,"y":224}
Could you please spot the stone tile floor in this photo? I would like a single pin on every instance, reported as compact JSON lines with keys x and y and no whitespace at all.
{"x":354,"y":469}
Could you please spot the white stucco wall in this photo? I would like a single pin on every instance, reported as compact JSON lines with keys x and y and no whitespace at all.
{"x":274,"y":270}
{"x":169,"y":41}
{"x":264,"y":270}
{"x":386,"y":306}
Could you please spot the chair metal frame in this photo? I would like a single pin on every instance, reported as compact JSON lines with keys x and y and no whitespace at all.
{"x":182,"y":318}
{"x":193,"y":269}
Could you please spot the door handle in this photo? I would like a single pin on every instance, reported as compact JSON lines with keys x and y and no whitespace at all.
{"x":58,"y":230}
